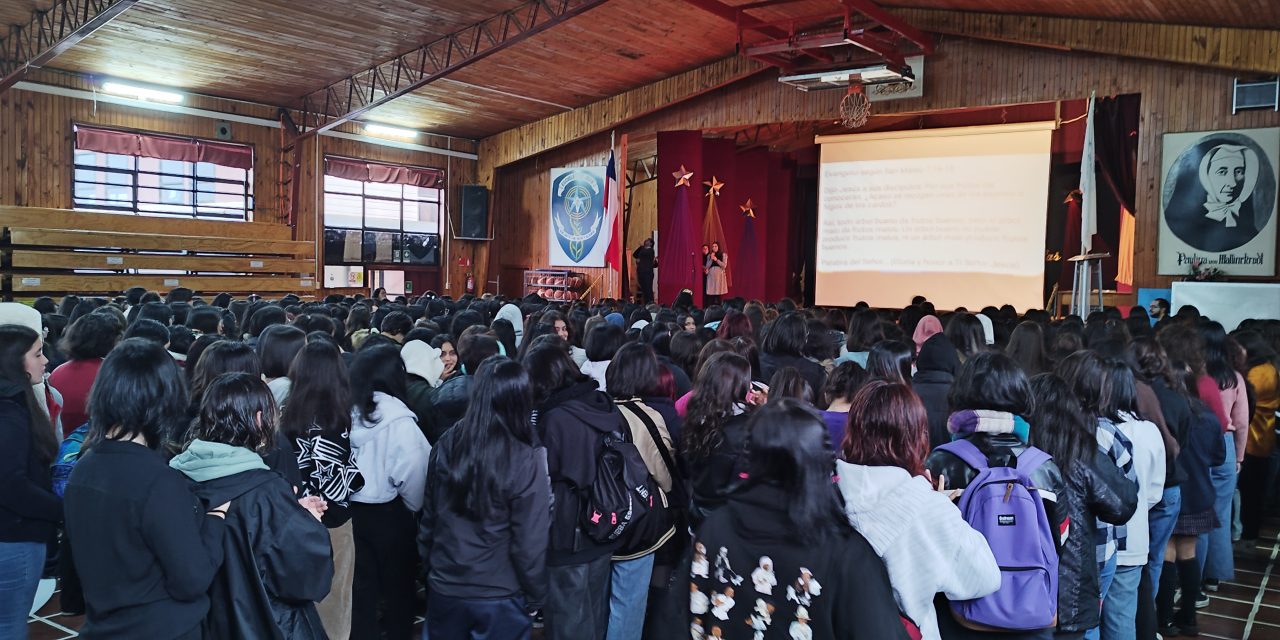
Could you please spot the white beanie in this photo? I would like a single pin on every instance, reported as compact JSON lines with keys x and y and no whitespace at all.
{"x":988,"y":331}
{"x":22,"y":315}
{"x":423,"y":360}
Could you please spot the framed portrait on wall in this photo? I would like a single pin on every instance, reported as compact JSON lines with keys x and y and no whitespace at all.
{"x":1218,"y":201}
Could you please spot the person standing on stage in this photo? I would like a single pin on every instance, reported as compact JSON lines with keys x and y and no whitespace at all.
{"x":646,"y":261}
{"x":716,"y":266}
{"x":706,"y":255}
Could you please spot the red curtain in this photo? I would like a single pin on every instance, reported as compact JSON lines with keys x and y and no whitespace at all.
{"x":225,"y":154}
{"x":362,"y":171}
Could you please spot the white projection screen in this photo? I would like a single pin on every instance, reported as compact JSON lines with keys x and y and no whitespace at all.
{"x":956,"y":215}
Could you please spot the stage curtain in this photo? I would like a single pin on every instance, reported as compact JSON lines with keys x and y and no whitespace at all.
{"x":679,"y":234}
{"x":362,"y":171}
{"x":1116,"y":146}
{"x":145,"y":145}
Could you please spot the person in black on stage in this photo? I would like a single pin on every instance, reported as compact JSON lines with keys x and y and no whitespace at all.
{"x":646,"y":261}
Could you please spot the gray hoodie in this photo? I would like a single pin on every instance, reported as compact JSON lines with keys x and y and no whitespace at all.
{"x":391,"y":453}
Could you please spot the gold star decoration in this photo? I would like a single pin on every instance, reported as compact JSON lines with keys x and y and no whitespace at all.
{"x":713,"y":187}
{"x":748,"y":208}
{"x":682,"y":176}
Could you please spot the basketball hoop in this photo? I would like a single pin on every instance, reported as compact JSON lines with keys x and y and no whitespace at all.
{"x":855,"y":108}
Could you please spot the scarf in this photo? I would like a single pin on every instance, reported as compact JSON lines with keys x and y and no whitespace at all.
{"x":1223,"y":211}
{"x":986,"y":421}
{"x":928,"y":327}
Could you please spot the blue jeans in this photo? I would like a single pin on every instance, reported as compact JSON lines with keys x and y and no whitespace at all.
{"x":1162,"y":519}
{"x":20,"y":567}
{"x":628,"y":597}
{"x":1120,"y":608}
{"x":1213,"y":549}
{"x":1106,"y":572}
{"x":475,"y":619}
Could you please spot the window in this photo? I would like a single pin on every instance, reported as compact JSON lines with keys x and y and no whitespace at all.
{"x":382,"y":214}
{"x":120,"y":172}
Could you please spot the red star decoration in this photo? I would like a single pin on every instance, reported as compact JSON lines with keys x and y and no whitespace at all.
{"x":714,"y":186}
{"x":682,"y":176}
{"x":748,"y":208}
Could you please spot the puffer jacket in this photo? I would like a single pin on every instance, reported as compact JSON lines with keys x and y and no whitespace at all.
{"x":1096,"y":490}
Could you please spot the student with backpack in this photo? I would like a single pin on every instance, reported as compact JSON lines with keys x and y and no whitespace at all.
{"x":926,"y":545}
{"x":574,"y":420}
{"x":483,"y":532}
{"x":779,"y":559}
{"x":632,"y":377}
{"x":989,"y":400}
{"x":1096,"y":490}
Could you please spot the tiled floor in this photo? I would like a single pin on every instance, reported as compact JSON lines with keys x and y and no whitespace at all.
{"x":1247,"y":608}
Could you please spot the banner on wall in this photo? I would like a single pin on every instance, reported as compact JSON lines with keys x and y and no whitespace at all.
{"x":578,"y":233}
{"x":1218,"y":203}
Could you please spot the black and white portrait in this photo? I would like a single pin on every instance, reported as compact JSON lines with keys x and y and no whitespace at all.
{"x":1220,"y":192}
{"x":1218,"y":200}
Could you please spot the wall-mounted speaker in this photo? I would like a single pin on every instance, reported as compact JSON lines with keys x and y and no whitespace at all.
{"x":223,"y":130}
{"x":475,"y":213}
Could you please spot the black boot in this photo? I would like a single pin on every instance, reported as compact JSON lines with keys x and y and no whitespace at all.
{"x":1164,"y":600}
{"x":1189,"y":578}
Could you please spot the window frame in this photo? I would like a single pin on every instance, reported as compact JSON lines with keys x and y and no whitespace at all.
{"x":440,"y":202}
{"x":134,"y":206}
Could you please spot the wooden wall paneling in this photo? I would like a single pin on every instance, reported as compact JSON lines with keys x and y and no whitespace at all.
{"x":963,"y":73}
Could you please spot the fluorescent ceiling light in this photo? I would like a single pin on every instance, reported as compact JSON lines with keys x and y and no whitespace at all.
{"x":141,"y":93}
{"x":384,"y":130}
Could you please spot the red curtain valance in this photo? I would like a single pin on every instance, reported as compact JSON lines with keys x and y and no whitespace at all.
{"x":362,"y":171}
{"x":225,"y":154}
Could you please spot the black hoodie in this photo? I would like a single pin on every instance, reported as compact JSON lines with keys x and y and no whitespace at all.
{"x":29,"y":509}
{"x":572,"y":424}
{"x":936,"y":369}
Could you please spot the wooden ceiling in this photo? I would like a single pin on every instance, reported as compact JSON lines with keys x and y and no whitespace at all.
{"x":274,"y":51}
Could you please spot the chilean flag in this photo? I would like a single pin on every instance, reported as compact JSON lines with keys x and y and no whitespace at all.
{"x":613,"y":257}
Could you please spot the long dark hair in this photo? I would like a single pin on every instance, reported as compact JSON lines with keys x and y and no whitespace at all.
{"x":222,"y":357}
{"x":1092,"y":380}
{"x":1217,"y":355}
{"x":864,"y":330}
{"x":496,"y":422}
{"x":139,"y":391}
{"x":890,"y":361}
{"x":993,"y":381}
{"x":238,"y":409}
{"x":966,"y":334}
{"x":789,"y":448}
{"x":788,"y":383}
{"x":15,"y":341}
{"x":633,"y":372}
{"x":1059,"y":425}
{"x":376,"y":368}
{"x":725,"y":381}
{"x":320,"y":394}
{"x":277,"y":347}
{"x":1026,"y":347}
{"x":1186,"y":345}
{"x":787,"y":336}
{"x":551,"y":368}
{"x":844,"y":382}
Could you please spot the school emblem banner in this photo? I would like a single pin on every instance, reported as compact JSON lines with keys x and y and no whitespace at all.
{"x":577,"y":234}
{"x":1218,"y":203}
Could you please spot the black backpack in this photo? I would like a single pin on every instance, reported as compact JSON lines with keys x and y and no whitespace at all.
{"x":621,"y":494}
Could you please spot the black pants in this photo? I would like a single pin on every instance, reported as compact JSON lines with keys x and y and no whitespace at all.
{"x":72,"y":594}
{"x":578,"y":600}
{"x":474,"y":619}
{"x":646,"y":285}
{"x":386,"y":563}
{"x":1253,"y":494}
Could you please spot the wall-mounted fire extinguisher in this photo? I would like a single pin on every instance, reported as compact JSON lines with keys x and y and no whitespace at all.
{"x":471,"y":283}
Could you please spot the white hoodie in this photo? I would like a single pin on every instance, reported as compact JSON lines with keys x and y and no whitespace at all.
{"x":1149,"y":463}
{"x":391,"y":453}
{"x":925,"y":544}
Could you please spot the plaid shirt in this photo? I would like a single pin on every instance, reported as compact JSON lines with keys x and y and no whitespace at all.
{"x":1112,"y":538}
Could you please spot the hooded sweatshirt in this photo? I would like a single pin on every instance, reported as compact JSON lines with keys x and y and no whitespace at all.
{"x":572,"y":424}
{"x":390,"y":452}
{"x":278,"y":559}
{"x":928,"y":327}
{"x":926,"y":545}
{"x":511,"y":313}
{"x":936,"y":369}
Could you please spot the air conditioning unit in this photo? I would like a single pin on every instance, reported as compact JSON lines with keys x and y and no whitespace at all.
{"x":1258,"y":94}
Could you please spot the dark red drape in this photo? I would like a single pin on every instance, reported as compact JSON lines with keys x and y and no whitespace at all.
{"x":145,"y":145}
{"x":679,"y":215}
{"x":1115,"y":129}
{"x":362,"y":171}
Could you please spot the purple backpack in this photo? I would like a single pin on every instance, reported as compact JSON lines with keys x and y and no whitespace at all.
{"x":1002,"y":504}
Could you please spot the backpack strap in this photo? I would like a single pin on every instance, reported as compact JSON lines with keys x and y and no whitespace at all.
{"x":1030,"y":460}
{"x":654,"y":434}
{"x":968,"y":452}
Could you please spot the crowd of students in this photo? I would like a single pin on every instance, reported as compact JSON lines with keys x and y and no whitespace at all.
{"x":289,"y":469}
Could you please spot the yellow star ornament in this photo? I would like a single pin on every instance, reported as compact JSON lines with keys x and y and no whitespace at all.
{"x":714,"y":187}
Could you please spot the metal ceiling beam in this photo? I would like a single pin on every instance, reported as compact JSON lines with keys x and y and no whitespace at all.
{"x":745,"y":21}
{"x":361,"y":92}
{"x":51,"y":32}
